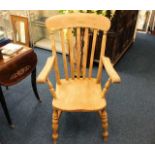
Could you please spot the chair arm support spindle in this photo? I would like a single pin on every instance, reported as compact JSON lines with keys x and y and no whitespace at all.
{"x":110,"y":70}
{"x":51,"y":88}
{"x":106,"y":87}
{"x":42,"y":78}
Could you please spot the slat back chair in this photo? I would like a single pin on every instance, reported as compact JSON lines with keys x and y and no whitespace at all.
{"x":20,"y":27}
{"x":81,"y":93}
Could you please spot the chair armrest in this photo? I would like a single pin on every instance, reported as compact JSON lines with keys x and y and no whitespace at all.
{"x":110,"y":70}
{"x":42,"y":78}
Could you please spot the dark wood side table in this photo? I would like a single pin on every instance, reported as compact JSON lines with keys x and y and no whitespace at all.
{"x":13,"y":70}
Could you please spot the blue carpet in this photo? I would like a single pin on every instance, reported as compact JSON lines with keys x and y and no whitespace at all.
{"x":131,"y":105}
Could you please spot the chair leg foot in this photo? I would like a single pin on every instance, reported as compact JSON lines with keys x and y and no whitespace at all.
{"x":55,"y":126}
{"x":104,"y":119}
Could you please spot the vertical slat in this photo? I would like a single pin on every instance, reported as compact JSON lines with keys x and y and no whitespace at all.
{"x":56,"y":61}
{"x":68,"y":48}
{"x":104,"y":38}
{"x":78,"y":52}
{"x":92,"y":53}
{"x":64,"y":54}
{"x":85,"y":52}
{"x":71,"y":52}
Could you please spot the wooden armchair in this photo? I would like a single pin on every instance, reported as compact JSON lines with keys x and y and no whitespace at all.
{"x":83,"y":93}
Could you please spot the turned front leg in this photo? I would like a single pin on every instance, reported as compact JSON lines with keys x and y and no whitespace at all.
{"x":104,"y":119}
{"x":55,"y":126}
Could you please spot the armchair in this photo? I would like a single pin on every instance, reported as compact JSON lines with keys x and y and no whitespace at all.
{"x":82,"y":93}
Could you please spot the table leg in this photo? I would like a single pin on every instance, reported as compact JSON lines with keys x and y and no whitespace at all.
{"x":5,"y":109}
{"x":34,"y":85}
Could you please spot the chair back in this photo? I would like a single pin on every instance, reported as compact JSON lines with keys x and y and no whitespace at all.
{"x":20,"y":27}
{"x":74,"y":32}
